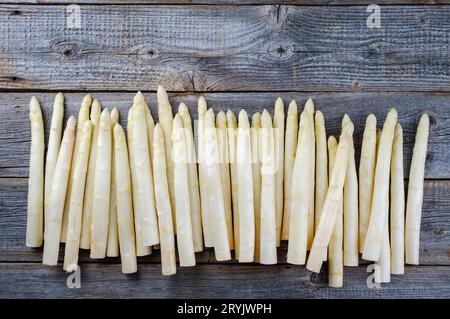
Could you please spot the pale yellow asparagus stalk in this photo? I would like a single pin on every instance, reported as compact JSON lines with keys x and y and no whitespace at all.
{"x":150,"y":126}
{"x":278,"y":131}
{"x":58,"y":195}
{"x":141,"y":249}
{"x":309,"y":107}
{"x":383,"y":265}
{"x":83,"y":116}
{"x":415,"y":192}
{"x":165,"y":117}
{"x":145,"y":210}
{"x":54,"y":141}
{"x":366,"y":174}
{"x":35,"y":209}
{"x":102,"y":188}
{"x":333,"y":201}
{"x":373,"y":242}
{"x":85,"y":240}
{"x":125,"y":220}
{"x":206,"y":213}
{"x":165,"y":224}
{"x":224,"y":165}
{"x":245,"y":190}
{"x":256,"y":173}
{"x":351,"y":235}
{"x":215,"y":203}
{"x":194,"y":194}
{"x":321,"y":185}
{"x":335,"y":251}
{"x":268,"y":226}
{"x":81,"y":160}
{"x":112,"y":248}
{"x":181,"y":194}
{"x":298,"y":228}
{"x":290,"y":147}
{"x":139,"y":98}
{"x":232,"y":143}
{"x":397,"y":219}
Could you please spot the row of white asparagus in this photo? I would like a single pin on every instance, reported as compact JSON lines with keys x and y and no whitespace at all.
{"x":255,"y":185}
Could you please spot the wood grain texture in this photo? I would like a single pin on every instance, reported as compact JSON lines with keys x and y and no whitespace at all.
{"x":225,"y":48}
{"x":234,"y":2}
{"x":216,"y":281}
{"x":435,"y":234}
{"x":15,"y":128}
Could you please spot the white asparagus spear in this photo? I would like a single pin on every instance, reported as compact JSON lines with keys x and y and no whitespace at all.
{"x":383,"y":265}
{"x":141,"y":249}
{"x":333,"y":201}
{"x":139,"y":98}
{"x":366,"y":174}
{"x":181,"y":194}
{"x":224,"y":160}
{"x":150,"y":126}
{"x":309,"y":107}
{"x":145,"y":209}
{"x":232,"y":143}
{"x":194,"y":194}
{"x":335,"y":251}
{"x":415,"y":192}
{"x":372,"y":244}
{"x":125,"y":220}
{"x":397,"y":205}
{"x":54,"y":141}
{"x":83,"y":116}
{"x":165,"y":117}
{"x":298,"y":228}
{"x":278,"y":131}
{"x":85,"y":240}
{"x":206,"y":214}
{"x":290,"y":147}
{"x":321,"y":166}
{"x":76,"y":199}
{"x":58,"y":195}
{"x":112,"y":248}
{"x":165,"y":224}
{"x":351,"y":235}
{"x":256,"y":173}
{"x":215,"y":203}
{"x":35,"y":210}
{"x":245,"y":190}
{"x":102,"y":188}
{"x":377,"y":270}
{"x":268,"y":227}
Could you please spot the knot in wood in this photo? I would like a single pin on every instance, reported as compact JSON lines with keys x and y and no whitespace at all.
{"x":150,"y":53}
{"x":281,"y":51}
{"x":67,"y":50}
{"x":316,"y":278}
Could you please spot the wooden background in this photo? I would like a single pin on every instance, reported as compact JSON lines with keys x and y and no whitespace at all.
{"x":241,"y":54}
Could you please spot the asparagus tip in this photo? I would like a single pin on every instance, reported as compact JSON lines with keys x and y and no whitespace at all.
{"x":309,"y":104}
{"x":292,"y":107}
{"x":256,"y":119}
{"x":34,"y":105}
{"x":182,"y":108}
{"x":331,"y":141}
{"x":114,"y":116}
{"x":139,"y":98}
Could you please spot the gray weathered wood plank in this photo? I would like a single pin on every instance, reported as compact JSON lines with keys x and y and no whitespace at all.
{"x":15,"y":132}
{"x":230,"y":2}
{"x":225,"y":48}
{"x":215,"y":281}
{"x":435,"y":233}
{"x":234,"y":2}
